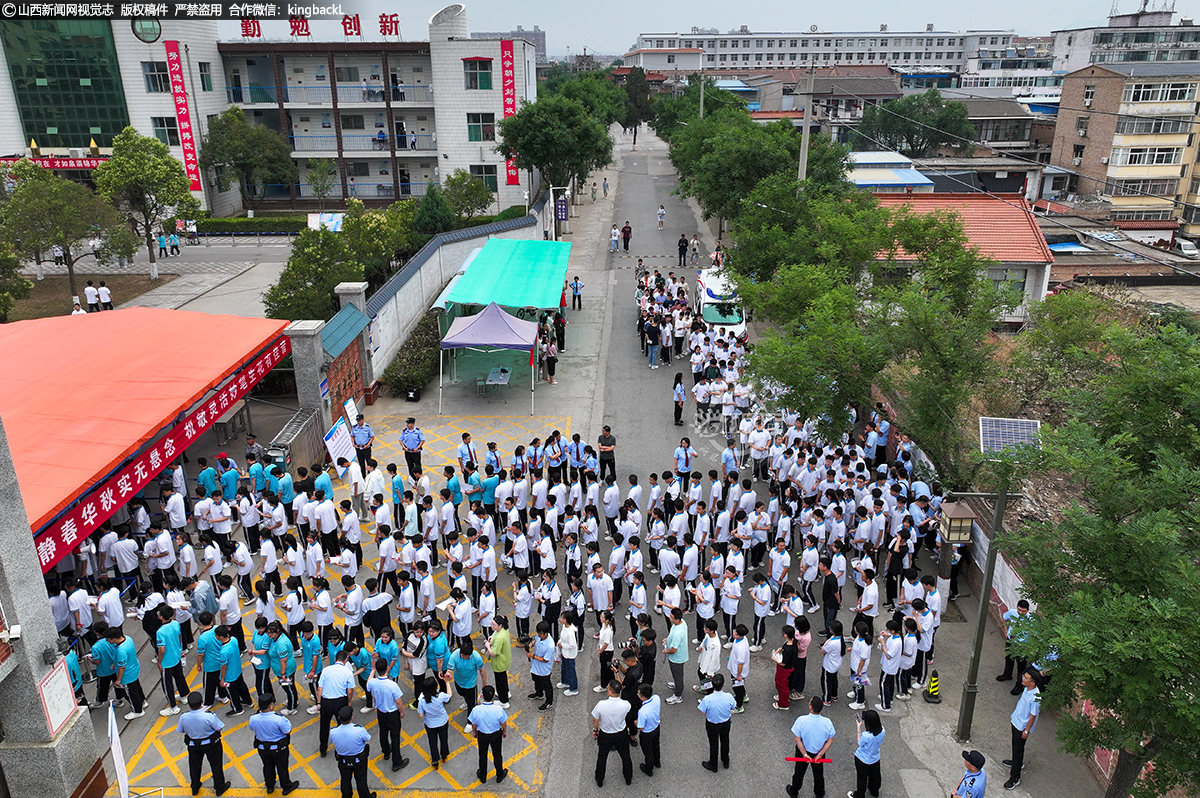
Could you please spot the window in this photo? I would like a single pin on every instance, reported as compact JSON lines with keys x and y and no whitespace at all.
{"x":724,"y":44}
{"x":1078,"y":152}
{"x":791,"y":56}
{"x":1082,"y":123}
{"x":346,"y":74}
{"x":353,"y":122}
{"x":205,"y":76}
{"x":1135,"y":125}
{"x":477,"y":74}
{"x":792,"y":43}
{"x":687,"y":43}
{"x":710,"y":58}
{"x":670,"y":58}
{"x":1012,"y":278}
{"x":486,"y":173}
{"x":670,"y":42}
{"x":1194,"y":188}
{"x":358,"y":169}
{"x":156,"y":77}
{"x":1133,"y":188}
{"x":745,"y":56}
{"x":1161,"y":215}
{"x":165,"y":130}
{"x":733,"y":44}
{"x":147,"y":30}
{"x":659,"y":43}
{"x":1159,"y":92}
{"x":1089,"y":93}
{"x":481,"y":127}
{"x":758,"y":57}
{"x":1146,"y":156}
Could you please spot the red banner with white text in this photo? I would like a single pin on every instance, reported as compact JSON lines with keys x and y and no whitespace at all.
{"x":60,"y":537}
{"x":183,"y":117}
{"x":508,"y":87}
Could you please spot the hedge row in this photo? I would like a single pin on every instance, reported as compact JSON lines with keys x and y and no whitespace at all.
{"x":417,"y":360}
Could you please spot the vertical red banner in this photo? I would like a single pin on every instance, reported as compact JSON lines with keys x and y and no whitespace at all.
{"x":508,"y":85}
{"x":183,"y":117}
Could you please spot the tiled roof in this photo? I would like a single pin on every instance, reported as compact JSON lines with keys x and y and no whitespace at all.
{"x":1001,"y":228}
{"x":1052,"y":207}
{"x":1146,"y":224}
{"x":777,"y":114}
{"x":342,"y":329}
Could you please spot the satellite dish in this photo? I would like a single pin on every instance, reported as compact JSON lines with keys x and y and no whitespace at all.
{"x":812,"y":28}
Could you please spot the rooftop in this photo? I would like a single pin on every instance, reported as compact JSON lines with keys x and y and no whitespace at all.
{"x":1002,"y":228}
{"x":994,"y":108}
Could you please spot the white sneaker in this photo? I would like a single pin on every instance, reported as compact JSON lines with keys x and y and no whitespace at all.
{"x":225,"y":700}
{"x":670,"y":685}
{"x":314,"y":709}
{"x":675,"y":700}
{"x":811,"y":610}
{"x":851,"y":694}
{"x":728,"y":645}
{"x":561,"y":686}
{"x":505,"y":705}
{"x":882,"y":708}
{"x":468,"y":729}
{"x":695,"y":641}
{"x":571,"y":692}
{"x":169,"y":711}
{"x":134,"y":715}
{"x":463,"y":705}
{"x":772,"y":613}
{"x":599,"y":689}
{"x":856,"y":706}
{"x":363,"y":710}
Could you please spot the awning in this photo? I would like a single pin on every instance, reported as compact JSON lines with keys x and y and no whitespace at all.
{"x":514,"y":274}
{"x":81,"y":394}
{"x":491,"y":328}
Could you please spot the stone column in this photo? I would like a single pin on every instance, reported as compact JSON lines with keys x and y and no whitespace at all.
{"x":32,"y":761}
{"x":356,"y":294}
{"x":310,"y":363}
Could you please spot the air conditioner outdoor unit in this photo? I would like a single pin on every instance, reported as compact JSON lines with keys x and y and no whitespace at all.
{"x":1076,"y":161}
{"x":78,"y":152}
{"x":1082,"y":133}
{"x":1104,"y":159}
{"x":1087,"y":103}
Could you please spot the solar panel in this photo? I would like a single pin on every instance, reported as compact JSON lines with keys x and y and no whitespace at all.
{"x":998,"y":435}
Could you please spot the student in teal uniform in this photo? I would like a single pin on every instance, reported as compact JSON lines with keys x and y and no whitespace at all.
{"x":314,"y":663}
{"x":282,"y":660}
{"x":128,"y":670}
{"x":260,"y":649}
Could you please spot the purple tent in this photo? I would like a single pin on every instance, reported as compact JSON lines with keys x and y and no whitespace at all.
{"x":491,"y":330}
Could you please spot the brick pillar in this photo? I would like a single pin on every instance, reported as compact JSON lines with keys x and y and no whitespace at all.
{"x":310,"y":362}
{"x":356,"y":294}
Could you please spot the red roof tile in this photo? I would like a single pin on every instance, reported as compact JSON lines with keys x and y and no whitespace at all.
{"x":1053,"y":207}
{"x":1001,"y":228}
{"x":1146,"y":224}
{"x":777,"y":114}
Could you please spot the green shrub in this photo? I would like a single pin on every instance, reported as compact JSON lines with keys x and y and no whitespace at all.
{"x":258,"y":224}
{"x":511,"y":212}
{"x":417,"y":361}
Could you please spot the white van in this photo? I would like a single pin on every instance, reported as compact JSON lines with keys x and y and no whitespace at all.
{"x":1185,"y":248}
{"x":717,"y":303}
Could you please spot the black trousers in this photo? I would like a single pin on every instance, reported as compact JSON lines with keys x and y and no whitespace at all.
{"x":136,"y":697}
{"x":275,"y":761}
{"x":867,"y":778}
{"x":1018,"y":753}
{"x":213,"y":688}
{"x":413,"y":461}
{"x":501,"y":678}
{"x":354,"y":768}
{"x":818,"y":770}
{"x":172,"y":680}
{"x":718,"y":737}
{"x":363,"y":456}
{"x":329,"y":710}
{"x":607,"y":466}
{"x":576,"y":302}
{"x":650,"y":748}
{"x":216,"y":763}
{"x":618,"y":741}
{"x":239,"y":694}
{"x":1010,"y":661}
{"x":493,"y":743}
{"x":262,"y":682}
{"x":389,"y":732}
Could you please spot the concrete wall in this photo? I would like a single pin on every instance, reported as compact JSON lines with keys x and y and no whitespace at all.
{"x":401,"y":302}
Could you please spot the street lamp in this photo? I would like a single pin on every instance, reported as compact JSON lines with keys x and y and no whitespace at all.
{"x":996,"y":436}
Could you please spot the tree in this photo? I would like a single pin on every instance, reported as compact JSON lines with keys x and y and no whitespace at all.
{"x":375,"y":239}
{"x":253,"y":156}
{"x":44,"y":211}
{"x":673,"y":113}
{"x":319,"y":261}
{"x":12,"y":285}
{"x":434,"y":215}
{"x":603,"y":99}
{"x":737,"y":159}
{"x":558,"y":136}
{"x":466,"y":194}
{"x":917,"y":126}
{"x":638,"y":106}
{"x":143,"y":180}
{"x":321,"y":175}
{"x":1117,"y":594}
{"x":553,"y":79}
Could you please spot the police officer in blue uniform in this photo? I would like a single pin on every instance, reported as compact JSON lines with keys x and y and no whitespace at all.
{"x":273,"y":738}
{"x":351,"y":746}
{"x":412,"y":440}
{"x":201,"y":731}
{"x":363,"y":437}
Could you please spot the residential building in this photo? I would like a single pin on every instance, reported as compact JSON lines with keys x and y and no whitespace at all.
{"x":1126,"y":131}
{"x":945,"y":51}
{"x":1023,"y":68}
{"x":1003,"y":229}
{"x":536,"y":37}
{"x":840,"y":94}
{"x":1140,"y":37}
{"x":1128,"y":252}
{"x":394,"y":116}
{"x":1003,"y":175}
{"x":1007,"y":126}
{"x":68,"y":83}
{"x":886,"y":173}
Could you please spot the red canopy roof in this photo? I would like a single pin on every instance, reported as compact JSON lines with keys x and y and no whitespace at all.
{"x":80,"y":394}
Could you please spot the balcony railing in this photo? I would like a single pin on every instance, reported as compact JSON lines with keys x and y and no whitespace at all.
{"x":250,"y":95}
{"x":359,"y":143}
{"x":409,"y":94}
{"x":362,"y":190}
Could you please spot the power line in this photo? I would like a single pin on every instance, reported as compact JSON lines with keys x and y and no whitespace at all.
{"x":1124,"y":191}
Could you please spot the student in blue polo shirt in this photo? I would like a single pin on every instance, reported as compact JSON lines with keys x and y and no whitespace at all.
{"x":128,"y":670}
{"x":168,"y":641}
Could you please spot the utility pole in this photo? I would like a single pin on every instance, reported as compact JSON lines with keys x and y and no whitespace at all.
{"x":701,"y":91}
{"x":807,"y":100}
